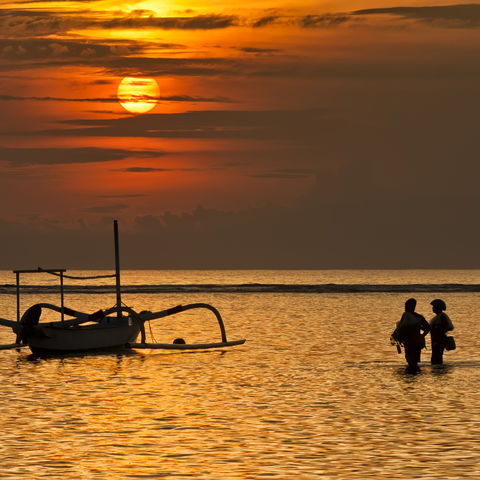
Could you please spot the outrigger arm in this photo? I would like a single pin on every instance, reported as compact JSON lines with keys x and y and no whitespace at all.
{"x":141,"y":318}
{"x":182,"y":308}
{"x":8,"y":323}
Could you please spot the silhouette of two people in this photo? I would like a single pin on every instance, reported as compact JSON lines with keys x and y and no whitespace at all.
{"x":412,"y":329}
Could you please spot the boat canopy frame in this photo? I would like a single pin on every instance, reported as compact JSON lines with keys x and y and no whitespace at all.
{"x":58,"y":272}
{"x":53,"y":271}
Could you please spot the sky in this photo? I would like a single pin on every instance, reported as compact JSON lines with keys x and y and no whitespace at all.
{"x":283,"y":134}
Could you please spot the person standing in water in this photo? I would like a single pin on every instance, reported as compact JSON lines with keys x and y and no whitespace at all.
{"x":440,"y":324}
{"x":411,"y":331}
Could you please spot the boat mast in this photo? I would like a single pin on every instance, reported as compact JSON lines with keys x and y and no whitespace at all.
{"x":117,"y":270}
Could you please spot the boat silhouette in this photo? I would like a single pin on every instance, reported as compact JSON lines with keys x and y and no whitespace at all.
{"x":116,"y":328}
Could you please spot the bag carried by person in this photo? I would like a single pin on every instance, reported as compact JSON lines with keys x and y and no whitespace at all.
{"x":399,"y":335}
{"x":450,"y":343}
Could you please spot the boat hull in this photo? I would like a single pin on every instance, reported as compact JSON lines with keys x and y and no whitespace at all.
{"x":113,"y":335}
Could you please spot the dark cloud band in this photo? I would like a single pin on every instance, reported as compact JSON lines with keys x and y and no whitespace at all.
{"x":22,"y":157}
{"x":466,"y":15}
{"x":171,"y":98}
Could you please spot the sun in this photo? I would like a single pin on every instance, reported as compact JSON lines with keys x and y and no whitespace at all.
{"x":138,"y":95}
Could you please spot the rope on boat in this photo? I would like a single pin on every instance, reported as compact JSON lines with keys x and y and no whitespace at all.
{"x":152,"y":336}
{"x":75,"y":277}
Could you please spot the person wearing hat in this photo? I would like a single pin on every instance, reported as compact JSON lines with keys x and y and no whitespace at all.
{"x":440,"y":324}
{"x":411,"y":331}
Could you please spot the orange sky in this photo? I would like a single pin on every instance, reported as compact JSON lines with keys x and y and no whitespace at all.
{"x":350,"y":118}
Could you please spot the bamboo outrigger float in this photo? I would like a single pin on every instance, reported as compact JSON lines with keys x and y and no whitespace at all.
{"x":116,"y":328}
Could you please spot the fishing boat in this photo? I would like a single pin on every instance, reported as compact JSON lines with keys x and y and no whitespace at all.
{"x":115,"y":328}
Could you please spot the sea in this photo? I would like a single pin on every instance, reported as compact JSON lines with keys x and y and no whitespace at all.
{"x":316,"y":392}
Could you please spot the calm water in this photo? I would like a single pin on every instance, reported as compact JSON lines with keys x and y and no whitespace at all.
{"x":316,"y":392}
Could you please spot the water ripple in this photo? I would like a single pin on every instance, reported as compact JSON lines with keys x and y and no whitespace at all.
{"x":316,"y":392}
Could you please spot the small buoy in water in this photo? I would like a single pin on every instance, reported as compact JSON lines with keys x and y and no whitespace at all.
{"x":179,"y":340}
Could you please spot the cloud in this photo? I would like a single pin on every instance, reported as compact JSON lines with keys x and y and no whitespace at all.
{"x":43,"y":22}
{"x":160,"y":66}
{"x":277,"y":176}
{"x":361,"y":229}
{"x":28,"y":23}
{"x":266,"y":237}
{"x":32,"y":23}
{"x":349,"y":67}
{"x":286,"y":174}
{"x":32,"y":2}
{"x":458,"y":16}
{"x":38,"y":53}
{"x":114,"y":99}
{"x":287,"y":125}
{"x":132,"y":58}
{"x":298,"y":171}
{"x":13,"y":98}
{"x":106,"y":208}
{"x":125,"y":195}
{"x":22,"y":157}
{"x":190,"y":98}
{"x":351,"y":218}
{"x":461,"y":16}
{"x":45,"y":49}
{"x":200,"y":22}
{"x":259,"y":50}
{"x":17,"y":23}
{"x":324,"y":21}
{"x":346,"y":221}
{"x":265,"y":21}
{"x":143,"y":170}
{"x":153,"y":169}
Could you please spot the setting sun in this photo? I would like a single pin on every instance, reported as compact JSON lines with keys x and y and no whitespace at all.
{"x":138,"y":95}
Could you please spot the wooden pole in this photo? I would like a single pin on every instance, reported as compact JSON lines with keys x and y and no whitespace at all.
{"x":117,"y":269}
{"x":62,"y":303}
{"x":18,"y":295}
